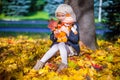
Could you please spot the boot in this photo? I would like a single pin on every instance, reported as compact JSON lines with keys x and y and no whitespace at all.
{"x":61,"y":67}
{"x":38,"y":65}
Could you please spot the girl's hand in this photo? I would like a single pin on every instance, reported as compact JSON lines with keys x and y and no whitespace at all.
{"x":65,"y":29}
{"x":56,"y":31}
{"x":74,"y":30}
{"x":52,"y":24}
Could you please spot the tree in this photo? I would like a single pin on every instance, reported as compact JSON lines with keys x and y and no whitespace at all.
{"x":37,"y":5}
{"x":15,"y":7}
{"x":0,"y":6}
{"x":85,"y":17}
{"x":113,"y":16}
{"x":98,"y":6}
{"x":51,"y":6}
{"x":113,"y":19}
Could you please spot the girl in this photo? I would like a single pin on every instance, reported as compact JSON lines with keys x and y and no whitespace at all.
{"x":72,"y":40}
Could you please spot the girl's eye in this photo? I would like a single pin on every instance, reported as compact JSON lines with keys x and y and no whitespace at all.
{"x":60,"y":15}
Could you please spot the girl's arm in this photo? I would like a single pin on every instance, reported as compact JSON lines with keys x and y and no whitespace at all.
{"x":52,"y":37}
{"x":64,"y":29}
{"x":74,"y":38}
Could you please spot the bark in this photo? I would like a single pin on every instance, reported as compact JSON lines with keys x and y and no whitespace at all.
{"x":84,"y":11}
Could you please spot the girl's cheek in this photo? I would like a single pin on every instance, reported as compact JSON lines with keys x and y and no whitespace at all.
{"x":60,"y":18}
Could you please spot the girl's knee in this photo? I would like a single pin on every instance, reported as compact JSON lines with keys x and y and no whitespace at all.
{"x":62,"y":44}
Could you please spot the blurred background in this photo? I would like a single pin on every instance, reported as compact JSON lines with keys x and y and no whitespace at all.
{"x":26,"y":16}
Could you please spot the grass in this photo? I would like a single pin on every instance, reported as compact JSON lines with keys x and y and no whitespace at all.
{"x":100,"y":27}
{"x":40,"y":15}
{"x":32,"y":35}
{"x":27,"y":34}
{"x":96,"y":20}
{"x":24,"y":25}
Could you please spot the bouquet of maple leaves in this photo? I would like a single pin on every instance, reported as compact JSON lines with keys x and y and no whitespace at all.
{"x":56,"y":26}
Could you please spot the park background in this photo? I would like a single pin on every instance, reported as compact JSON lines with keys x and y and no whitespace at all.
{"x":24,"y":38}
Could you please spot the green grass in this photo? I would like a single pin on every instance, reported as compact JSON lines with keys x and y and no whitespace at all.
{"x":41,"y":15}
{"x":100,"y":27}
{"x":102,"y":21}
{"x":24,"y":25}
{"x":27,"y":34}
{"x":96,"y":20}
{"x":33,"y":35}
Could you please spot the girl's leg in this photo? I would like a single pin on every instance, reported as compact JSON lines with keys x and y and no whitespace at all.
{"x":63,"y":52}
{"x":48,"y":55}
{"x":71,"y":51}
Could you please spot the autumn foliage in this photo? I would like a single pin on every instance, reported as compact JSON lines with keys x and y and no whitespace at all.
{"x":19,"y":55}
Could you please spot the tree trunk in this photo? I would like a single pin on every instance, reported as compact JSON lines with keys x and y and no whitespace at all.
{"x":84,"y":11}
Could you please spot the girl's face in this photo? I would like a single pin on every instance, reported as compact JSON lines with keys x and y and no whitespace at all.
{"x":60,"y":16}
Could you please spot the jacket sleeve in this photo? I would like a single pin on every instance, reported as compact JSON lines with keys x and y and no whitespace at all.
{"x":74,"y":38}
{"x":52,"y":38}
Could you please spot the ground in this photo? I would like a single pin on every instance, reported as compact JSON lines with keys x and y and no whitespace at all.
{"x":19,"y":54}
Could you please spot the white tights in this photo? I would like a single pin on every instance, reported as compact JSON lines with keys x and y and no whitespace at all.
{"x":63,"y":52}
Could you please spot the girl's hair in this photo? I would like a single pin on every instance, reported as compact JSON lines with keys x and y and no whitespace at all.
{"x":64,"y":8}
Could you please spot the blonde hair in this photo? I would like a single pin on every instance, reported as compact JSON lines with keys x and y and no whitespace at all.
{"x":64,"y":8}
